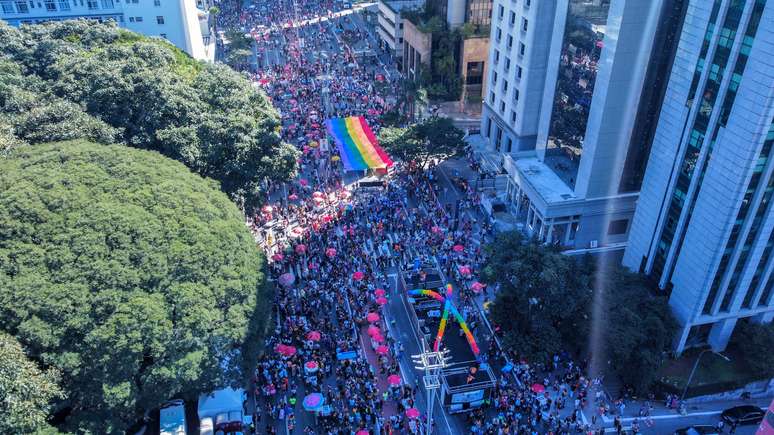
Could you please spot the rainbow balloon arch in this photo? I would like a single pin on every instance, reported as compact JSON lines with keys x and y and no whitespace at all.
{"x":448,"y":307}
{"x":357,"y":145}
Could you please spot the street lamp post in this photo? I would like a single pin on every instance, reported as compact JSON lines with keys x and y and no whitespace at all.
{"x":695,"y":365}
{"x":431,"y":363}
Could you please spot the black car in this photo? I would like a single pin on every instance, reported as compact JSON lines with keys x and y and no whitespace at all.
{"x":698,"y":429}
{"x":741,"y":415}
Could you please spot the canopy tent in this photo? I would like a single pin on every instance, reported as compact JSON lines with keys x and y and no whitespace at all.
{"x":357,"y":145}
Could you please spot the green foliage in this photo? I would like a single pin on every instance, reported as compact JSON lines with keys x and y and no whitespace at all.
{"x":433,"y":138}
{"x":545,"y":305}
{"x":85,"y":80}
{"x":26,"y":392}
{"x":134,"y":277}
{"x":754,"y":341}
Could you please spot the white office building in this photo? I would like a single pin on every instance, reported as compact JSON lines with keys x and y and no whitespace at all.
{"x":704,"y":221}
{"x":390,"y":24}
{"x":185,"y":23}
{"x":571,"y":85}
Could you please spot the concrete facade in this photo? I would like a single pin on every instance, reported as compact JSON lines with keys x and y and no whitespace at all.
{"x":583,"y":210}
{"x":417,"y":48}
{"x":390,"y":24}
{"x":184,"y":23}
{"x":703,"y":226}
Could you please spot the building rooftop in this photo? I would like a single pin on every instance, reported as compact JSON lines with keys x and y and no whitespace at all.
{"x":544,"y":180}
{"x":398,"y":5}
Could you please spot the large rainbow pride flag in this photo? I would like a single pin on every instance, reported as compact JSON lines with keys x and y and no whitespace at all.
{"x":357,"y":144}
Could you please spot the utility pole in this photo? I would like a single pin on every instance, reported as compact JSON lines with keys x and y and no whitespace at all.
{"x":431,"y":363}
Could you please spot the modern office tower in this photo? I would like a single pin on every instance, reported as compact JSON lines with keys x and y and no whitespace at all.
{"x":571,"y":83}
{"x":184,"y":23}
{"x":703,"y":226}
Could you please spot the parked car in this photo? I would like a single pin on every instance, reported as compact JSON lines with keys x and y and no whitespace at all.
{"x":742,"y":415}
{"x":699,"y":429}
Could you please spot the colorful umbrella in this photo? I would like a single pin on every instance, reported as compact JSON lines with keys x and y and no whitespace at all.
{"x":458,"y":248}
{"x":300,"y":249}
{"x":313,"y":402}
{"x":412,"y":413}
{"x":311,"y":366}
{"x":393,"y":379}
{"x":381,"y":301}
{"x":287,"y":279}
{"x":292,"y":197}
{"x":477,"y":287}
{"x":465,"y":270}
{"x":382,"y":350}
{"x":379,"y":292}
{"x":357,"y":276}
{"x":372,"y":317}
{"x":313,"y":335}
{"x":277,"y":257}
{"x":373,"y":330}
{"x":378,"y":338}
{"x":285,"y":350}
{"x":538,"y":388}
{"x":330,"y":252}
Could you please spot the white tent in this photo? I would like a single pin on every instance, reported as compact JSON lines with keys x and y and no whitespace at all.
{"x":222,"y":401}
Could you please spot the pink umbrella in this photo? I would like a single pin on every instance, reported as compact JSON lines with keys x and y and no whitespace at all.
{"x":357,"y":276}
{"x":382,"y":350}
{"x":317,"y":194}
{"x":378,"y":338}
{"x":303,"y":182}
{"x":313,"y":335}
{"x":465,"y":270}
{"x":286,"y":279}
{"x":267,"y":209}
{"x":292,"y":197}
{"x":311,"y":365}
{"x":477,"y":287}
{"x":381,"y":301}
{"x":538,"y":388}
{"x":277,"y":257}
{"x":379,"y":292}
{"x":362,"y":432}
{"x":330,"y":252}
{"x":412,"y":413}
{"x":300,"y":249}
{"x":458,"y":248}
{"x":373,"y":330}
{"x":372,"y":317}
{"x":285,"y":350}
{"x":393,"y":379}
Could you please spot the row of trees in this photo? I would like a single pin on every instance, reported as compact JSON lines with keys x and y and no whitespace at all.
{"x":78,"y":79}
{"x":549,"y":302}
{"x":126,"y":278}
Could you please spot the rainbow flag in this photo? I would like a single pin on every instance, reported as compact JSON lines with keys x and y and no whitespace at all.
{"x":357,"y":144}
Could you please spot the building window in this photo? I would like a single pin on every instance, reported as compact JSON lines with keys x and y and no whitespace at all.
{"x":107,"y":4}
{"x":513,"y":116}
{"x":510,"y":144}
{"x":92,"y":5}
{"x":524,"y":24}
{"x":500,"y":12}
{"x":513,"y":19}
{"x":488,"y":131}
{"x":156,"y":2}
{"x":515,"y":95}
{"x":138,"y":19}
{"x":617,"y":227}
{"x":491,"y":97}
{"x":498,"y":35}
{"x":64,"y":5}
{"x":522,"y":48}
{"x":502,"y":107}
{"x":7,"y":7}
{"x":496,"y":56}
{"x":494,"y":78}
{"x":527,"y":3}
{"x":163,"y":35}
{"x":22,"y":8}
{"x":507,"y":65}
{"x":518,"y":73}
{"x":50,"y":6}
{"x":505,"y":86}
{"x":159,"y":20}
{"x":400,"y":26}
{"x":510,"y":41}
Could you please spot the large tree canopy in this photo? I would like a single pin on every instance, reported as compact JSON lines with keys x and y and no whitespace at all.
{"x":545,"y":305}
{"x":432,"y":138}
{"x":25,"y":391}
{"x":134,"y":277}
{"x":79,"y":79}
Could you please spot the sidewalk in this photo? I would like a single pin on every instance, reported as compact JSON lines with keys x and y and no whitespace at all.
{"x":661,"y":412}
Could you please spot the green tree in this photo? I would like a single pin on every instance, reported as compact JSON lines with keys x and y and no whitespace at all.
{"x":132,"y":276}
{"x":26,"y":391}
{"x":433,"y":138}
{"x":78,"y":79}
{"x":755,"y":340}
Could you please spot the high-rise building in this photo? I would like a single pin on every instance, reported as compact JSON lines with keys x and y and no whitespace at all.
{"x":703,"y":225}
{"x":184,"y":23}
{"x":571,"y":88}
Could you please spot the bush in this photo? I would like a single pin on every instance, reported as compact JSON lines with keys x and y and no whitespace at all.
{"x":134,"y":277}
{"x":756,"y":343}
